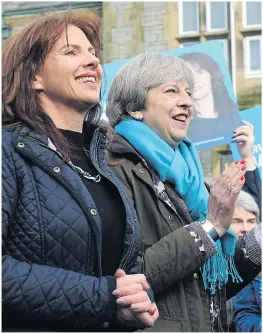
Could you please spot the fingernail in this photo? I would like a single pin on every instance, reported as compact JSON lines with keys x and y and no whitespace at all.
{"x":116,"y":292}
{"x":134,"y":307}
{"x":236,"y":162}
{"x":244,"y":168}
{"x":120,"y":301}
{"x":242,"y":162}
{"x":242,"y":178}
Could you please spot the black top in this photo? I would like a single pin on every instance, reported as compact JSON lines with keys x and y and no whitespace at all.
{"x":108,"y":202}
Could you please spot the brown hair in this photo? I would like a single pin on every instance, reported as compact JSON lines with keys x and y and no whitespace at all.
{"x":23,"y":55}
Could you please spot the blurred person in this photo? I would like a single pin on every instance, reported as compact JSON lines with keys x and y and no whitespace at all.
{"x":247,"y":303}
{"x":213,"y":109}
{"x":60,"y":201}
{"x":248,"y":306}
{"x":188,"y":254}
{"x":245,"y":140}
{"x":245,"y":218}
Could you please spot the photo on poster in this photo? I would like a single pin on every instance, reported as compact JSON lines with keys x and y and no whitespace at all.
{"x":215,"y":111}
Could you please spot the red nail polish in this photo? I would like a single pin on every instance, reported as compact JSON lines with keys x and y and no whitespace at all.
{"x":244,"y":168}
{"x":242,"y":178}
{"x":242,"y":162}
{"x":236,"y":162}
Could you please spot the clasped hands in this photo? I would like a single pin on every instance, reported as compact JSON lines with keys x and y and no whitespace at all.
{"x":135,"y":308}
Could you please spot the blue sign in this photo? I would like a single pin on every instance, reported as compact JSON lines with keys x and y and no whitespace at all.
{"x":215,"y":112}
{"x":254,"y":117}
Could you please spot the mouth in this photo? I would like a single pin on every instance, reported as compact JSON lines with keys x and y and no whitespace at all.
{"x":181,"y":118}
{"x":89,"y":79}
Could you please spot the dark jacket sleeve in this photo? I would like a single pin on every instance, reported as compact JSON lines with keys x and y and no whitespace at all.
{"x":247,"y":313}
{"x":172,"y":258}
{"x":253,"y":186}
{"x":247,"y":269}
{"x":50,"y":293}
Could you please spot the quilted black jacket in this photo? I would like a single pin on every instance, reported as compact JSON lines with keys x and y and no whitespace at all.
{"x":51,"y":269}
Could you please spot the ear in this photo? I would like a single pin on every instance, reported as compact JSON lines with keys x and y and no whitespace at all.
{"x":138,"y":115}
{"x":37,"y":83}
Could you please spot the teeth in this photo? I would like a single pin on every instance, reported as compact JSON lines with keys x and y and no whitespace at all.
{"x":180,"y":117}
{"x":86,"y":79}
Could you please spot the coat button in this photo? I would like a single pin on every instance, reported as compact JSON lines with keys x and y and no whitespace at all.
{"x":93,"y":212}
{"x":56,"y":169}
{"x":141,"y":170}
{"x":170,"y":217}
{"x":195,"y":276}
{"x":21,"y":145}
{"x":106,"y":325}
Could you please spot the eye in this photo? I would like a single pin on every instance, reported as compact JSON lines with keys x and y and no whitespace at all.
{"x":189,"y":93}
{"x":171,"y":90}
{"x":70,"y":52}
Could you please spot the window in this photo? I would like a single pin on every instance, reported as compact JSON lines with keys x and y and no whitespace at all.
{"x":188,"y":17}
{"x":252,"y":56}
{"x":252,"y":14}
{"x":216,"y":16}
{"x":188,"y":44}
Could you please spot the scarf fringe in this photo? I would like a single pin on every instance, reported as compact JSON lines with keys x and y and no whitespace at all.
{"x":216,"y":271}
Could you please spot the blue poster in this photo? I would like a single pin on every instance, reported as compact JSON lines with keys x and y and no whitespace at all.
{"x":215,"y":112}
{"x":254,"y":117}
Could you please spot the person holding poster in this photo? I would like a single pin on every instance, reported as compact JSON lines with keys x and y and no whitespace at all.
{"x":191,"y":258}
{"x":213,"y":108}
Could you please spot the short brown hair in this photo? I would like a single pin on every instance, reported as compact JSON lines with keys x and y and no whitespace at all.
{"x":23,"y":55}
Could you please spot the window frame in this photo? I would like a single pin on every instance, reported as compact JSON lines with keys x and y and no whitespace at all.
{"x":183,"y":44}
{"x":244,"y":16}
{"x":208,"y":18}
{"x":248,"y":73}
{"x":180,"y":12}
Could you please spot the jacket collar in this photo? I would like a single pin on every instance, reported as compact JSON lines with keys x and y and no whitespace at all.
{"x":117,"y":144}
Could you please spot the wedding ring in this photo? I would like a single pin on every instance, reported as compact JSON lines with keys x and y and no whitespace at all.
{"x":229,"y":188}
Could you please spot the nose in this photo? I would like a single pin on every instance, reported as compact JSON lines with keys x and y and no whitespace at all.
{"x":185,"y":101}
{"x":91,"y":61}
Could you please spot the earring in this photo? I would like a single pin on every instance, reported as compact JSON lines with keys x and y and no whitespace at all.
{"x":139,"y":117}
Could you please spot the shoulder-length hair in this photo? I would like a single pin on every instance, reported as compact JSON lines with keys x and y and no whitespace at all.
{"x":222,"y":101}
{"x":23,"y":55}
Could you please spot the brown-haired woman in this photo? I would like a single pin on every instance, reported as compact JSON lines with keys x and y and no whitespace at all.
{"x":67,"y":223}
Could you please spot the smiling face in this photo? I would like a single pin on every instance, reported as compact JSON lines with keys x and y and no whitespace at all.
{"x":243,"y":221}
{"x":71,"y":75}
{"x":202,"y":78}
{"x":168,"y":111}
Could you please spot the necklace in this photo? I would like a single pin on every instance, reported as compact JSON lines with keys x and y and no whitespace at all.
{"x":83,"y":173}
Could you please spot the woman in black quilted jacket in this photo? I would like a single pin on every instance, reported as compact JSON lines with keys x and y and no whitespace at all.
{"x":67,"y":225}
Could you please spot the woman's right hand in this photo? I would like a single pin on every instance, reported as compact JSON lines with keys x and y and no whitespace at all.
{"x":134,"y":306}
{"x":223,"y":195}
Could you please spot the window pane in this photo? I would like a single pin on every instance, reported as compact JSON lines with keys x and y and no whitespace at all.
{"x":218,"y":15}
{"x":253,"y":13}
{"x":189,"y":43}
{"x":255,"y":55}
{"x":190,"y":20}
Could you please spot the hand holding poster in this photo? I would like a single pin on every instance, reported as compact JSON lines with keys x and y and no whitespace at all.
{"x":215,"y":112}
{"x":254,"y":117}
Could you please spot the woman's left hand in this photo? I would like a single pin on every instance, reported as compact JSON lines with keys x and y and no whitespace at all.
{"x":244,"y":137}
{"x":140,"y":306}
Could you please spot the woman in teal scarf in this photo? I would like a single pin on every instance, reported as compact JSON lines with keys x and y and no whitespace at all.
{"x":188,"y":253}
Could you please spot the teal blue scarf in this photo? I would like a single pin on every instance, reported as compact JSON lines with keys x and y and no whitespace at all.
{"x":181,"y":166}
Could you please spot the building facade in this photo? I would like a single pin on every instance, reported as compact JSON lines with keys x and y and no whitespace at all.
{"x":133,"y":27}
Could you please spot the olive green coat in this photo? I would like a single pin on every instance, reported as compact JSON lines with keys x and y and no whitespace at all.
{"x":169,"y":256}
